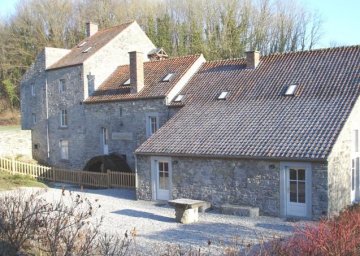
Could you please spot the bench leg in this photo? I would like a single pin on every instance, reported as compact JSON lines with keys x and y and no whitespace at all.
{"x":186,"y":216}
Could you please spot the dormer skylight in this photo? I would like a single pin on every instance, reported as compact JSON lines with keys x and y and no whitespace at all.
{"x":127,"y":82}
{"x":82,"y":44}
{"x":291,"y":90}
{"x":168,"y":77}
{"x":86,"y":50}
{"x":179,"y":98}
{"x":223,"y":95}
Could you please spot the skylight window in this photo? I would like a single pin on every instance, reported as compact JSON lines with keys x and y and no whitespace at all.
{"x":168,"y":77}
{"x":223,"y":95}
{"x":179,"y":98}
{"x":86,"y":50}
{"x":82,"y":44}
{"x":291,"y":90}
{"x":127,"y":82}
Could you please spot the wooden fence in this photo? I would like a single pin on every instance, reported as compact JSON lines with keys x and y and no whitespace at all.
{"x":95,"y":179}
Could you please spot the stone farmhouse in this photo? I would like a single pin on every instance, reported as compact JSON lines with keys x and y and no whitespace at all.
{"x":278,"y":132}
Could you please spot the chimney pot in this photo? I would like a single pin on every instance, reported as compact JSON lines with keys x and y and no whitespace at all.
{"x":252,"y":59}
{"x":91,"y":28}
{"x":136,"y":71}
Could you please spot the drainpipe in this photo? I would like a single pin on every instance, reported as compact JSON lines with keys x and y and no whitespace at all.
{"x":136,"y":177}
{"x":47,"y":116}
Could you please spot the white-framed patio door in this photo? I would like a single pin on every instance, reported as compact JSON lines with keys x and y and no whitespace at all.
{"x":161,"y":178}
{"x":296,"y":189}
{"x":355,"y":179}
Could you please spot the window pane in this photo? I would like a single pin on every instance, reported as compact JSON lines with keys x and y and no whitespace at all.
{"x":352,"y":179}
{"x":301,"y":191}
{"x":301,"y":174}
{"x":293,"y":191}
{"x":293,"y":174}
{"x":356,"y":140}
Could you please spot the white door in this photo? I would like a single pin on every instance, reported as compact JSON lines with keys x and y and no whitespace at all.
{"x":105,"y":139}
{"x":163,"y":179}
{"x":296,"y":186}
{"x":355,"y":179}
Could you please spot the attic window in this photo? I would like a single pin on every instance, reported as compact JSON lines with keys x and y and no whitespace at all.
{"x":179,"y":98}
{"x":168,"y":77}
{"x":291,"y":90}
{"x":223,"y":95}
{"x":86,"y":50}
{"x":82,"y":44}
{"x":127,"y":82}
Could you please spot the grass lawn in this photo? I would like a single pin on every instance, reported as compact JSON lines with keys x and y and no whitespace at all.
{"x":5,"y":128}
{"x":9,"y":181}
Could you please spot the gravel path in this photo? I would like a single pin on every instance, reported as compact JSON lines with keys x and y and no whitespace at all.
{"x":156,"y":227}
{"x":14,"y":141}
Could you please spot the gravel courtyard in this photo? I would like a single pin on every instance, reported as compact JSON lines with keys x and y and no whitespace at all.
{"x":156,"y":227}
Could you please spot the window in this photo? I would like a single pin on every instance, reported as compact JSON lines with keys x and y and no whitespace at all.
{"x":91,"y":83}
{"x":33,"y":118}
{"x":168,"y":77}
{"x":223,"y":95}
{"x":291,"y":90}
{"x":127,"y":82}
{"x":356,"y":141}
{"x":64,"y":149}
{"x":63,"y":118}
{"x":82,"y":44}
{"x":179,"y":98}
{"x":86,"y":50}
{"x":32,"y":90}
{"x":152,"y":124}
{"x":61,"y":85}
{"x":36,"y":146}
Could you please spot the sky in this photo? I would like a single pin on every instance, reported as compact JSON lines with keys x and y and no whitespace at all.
{"x":341,"y":19}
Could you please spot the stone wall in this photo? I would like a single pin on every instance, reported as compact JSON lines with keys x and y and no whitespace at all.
{"x":236,"y":181}
{"x":127,"y":130}
{"x":340,"y":163}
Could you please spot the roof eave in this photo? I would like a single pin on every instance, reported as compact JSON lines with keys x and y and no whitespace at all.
{"x":130,"y":99}
{"x":67,"y":66}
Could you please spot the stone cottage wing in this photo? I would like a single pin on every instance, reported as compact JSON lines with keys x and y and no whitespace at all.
{"x":257,"y":118}
{"x":115,"y":87}
{"x":87,"y":47}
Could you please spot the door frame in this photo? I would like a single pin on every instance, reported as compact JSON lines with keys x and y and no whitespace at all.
{"x":154,"y":175}
{"x":284,"y":166}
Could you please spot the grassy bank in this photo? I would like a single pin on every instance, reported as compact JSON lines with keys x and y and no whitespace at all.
{"x":9,"y":181}
{"x":9,"y":117}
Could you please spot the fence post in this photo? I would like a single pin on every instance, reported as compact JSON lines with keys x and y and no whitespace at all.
{"x":13,"y":165}
{"x":108,"y":178}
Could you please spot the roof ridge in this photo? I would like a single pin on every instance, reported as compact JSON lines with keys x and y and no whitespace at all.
{"x":120,"y":25}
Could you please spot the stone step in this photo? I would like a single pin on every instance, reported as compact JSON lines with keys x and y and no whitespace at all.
{"x":239,"y":210}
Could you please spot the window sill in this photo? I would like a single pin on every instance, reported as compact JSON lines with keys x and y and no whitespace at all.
{"x":63,"y":127}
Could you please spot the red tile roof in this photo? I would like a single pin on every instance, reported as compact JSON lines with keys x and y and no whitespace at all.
{"x":154,"y":71}
{"x":76,"y":56}
{"x":257,"y":120}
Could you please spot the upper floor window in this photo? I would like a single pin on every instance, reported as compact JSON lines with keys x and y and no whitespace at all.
{"x":62,"y":85}
{"x":152,"y":124}
{"x":64,"y":149}
{"x":33,"y":118}
{"x":63,"y":118}
{"x":356,"y":141}
{"x":33,"y":90}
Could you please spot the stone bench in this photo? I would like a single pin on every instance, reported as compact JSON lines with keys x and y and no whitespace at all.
{"x":187,"y":210}
{"x":239,"y":210}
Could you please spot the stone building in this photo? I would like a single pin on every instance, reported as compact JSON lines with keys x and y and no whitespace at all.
{"x":278,"y":132}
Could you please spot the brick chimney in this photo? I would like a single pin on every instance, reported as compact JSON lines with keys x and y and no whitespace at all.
{"x":252,"y":59}
{"x":91,"y":28}
{"x":136,"y":71}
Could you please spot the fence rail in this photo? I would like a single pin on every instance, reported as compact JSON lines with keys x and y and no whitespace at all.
{"x":95,"y":179}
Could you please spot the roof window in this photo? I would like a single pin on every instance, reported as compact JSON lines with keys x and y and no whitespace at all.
{"x":127,"y":82}
{"x":223,"y":95}
{"x":179,"y":98}
{"x":291,"y":90}
{"x":168,"y":77}
{"x":82,"y":44}
{"x":86,"y":50}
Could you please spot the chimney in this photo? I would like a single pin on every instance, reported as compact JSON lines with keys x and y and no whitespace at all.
{"x":91,"y":28}
{"x":252,"y":59}
{"x":136,"y":71}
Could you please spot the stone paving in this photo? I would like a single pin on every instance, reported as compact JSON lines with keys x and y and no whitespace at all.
{"x":14,"y":141}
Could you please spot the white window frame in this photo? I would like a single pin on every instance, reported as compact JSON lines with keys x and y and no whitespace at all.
{"x":223,"y":95}
{"x":168,"y":77}
{"x":179,"y":98}
{"x":291,"y":89}
{"x":127,"y":82}
{"x":64,"y":149}
{"x":64,"y":118}
{"x":149,"y":124}
{"x":62,"y":85}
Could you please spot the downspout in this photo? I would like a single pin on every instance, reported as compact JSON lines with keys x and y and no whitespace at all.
{"x":47,"y":116}
{"x":136,"y":178}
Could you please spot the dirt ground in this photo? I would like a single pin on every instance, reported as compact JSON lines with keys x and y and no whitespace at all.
{"x":14,"y":141}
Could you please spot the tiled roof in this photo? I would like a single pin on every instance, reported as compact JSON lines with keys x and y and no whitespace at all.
{"x":76,"y":56}
{"x":257,"y":120}
{"x":154,"y":71}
